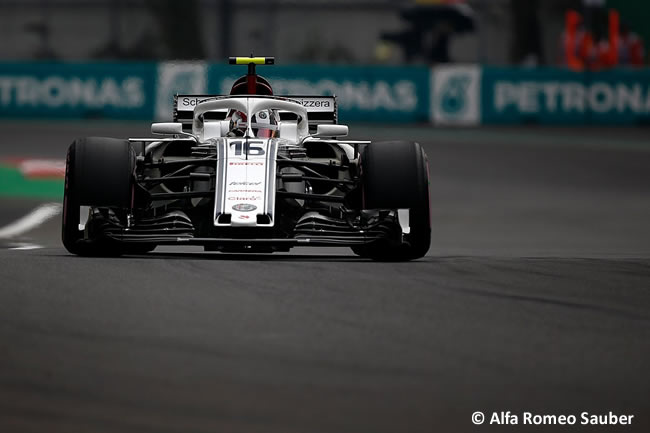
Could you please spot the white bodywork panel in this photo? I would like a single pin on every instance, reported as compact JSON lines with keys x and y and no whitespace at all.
{"x":313,"y":104}
{"x":250,"y":106}
{"x":246,"y":166}
{"x":245,"y":181}
{"x":403,"y":217}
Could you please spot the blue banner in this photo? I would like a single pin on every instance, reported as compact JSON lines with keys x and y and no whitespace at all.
{"x":77,"y":90}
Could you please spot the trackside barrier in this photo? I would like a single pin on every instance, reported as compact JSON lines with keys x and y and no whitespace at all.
{"x":364,"y":93}
{"x":77,"y":90}
{"x":443,"y":95}
{"x":145,"y":90}
{"x":472,"y":95}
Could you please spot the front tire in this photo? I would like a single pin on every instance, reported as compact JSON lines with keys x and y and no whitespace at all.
{"x":99,"y":173}
{"x":395,"y":175}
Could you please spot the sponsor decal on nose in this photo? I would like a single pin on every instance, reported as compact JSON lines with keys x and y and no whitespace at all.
{"x":244,"y":207}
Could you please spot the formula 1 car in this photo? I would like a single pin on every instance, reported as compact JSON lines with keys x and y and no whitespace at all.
{"x":247,"y":172}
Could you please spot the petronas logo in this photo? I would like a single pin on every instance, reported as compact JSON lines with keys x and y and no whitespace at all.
{"x":453,"y":95}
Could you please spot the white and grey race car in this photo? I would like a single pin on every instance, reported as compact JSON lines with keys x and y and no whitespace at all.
{"x":247,"y":172}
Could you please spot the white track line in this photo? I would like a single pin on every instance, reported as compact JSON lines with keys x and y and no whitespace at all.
{"x":30,"y":221}
{"x":25,"y":247}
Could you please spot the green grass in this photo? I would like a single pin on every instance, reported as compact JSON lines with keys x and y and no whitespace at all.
{"x":14,"y":184}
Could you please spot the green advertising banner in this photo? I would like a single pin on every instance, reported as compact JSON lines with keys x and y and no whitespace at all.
{"x":77,"y":90}
{"x":450,"y":94}
{"x":364,"y":93}
{"x":560,"y":96}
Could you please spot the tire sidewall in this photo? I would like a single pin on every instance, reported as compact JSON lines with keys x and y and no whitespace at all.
{"x":395,"y":175}
{"x":99,"y":173}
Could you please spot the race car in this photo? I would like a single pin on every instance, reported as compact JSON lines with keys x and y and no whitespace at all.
{"x":247,"y":172}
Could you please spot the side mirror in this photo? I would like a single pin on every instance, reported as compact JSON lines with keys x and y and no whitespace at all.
{"x":331,"y":131}
{"x":167,"y":128}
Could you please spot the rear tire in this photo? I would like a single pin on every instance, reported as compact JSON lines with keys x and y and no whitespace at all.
{"x":99,"y":173}
{"x":395,"y":175}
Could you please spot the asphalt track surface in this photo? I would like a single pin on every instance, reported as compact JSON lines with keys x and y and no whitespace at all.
{"x":535,"y":296}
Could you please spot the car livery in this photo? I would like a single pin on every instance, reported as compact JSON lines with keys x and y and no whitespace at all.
{"x":247,"y":172}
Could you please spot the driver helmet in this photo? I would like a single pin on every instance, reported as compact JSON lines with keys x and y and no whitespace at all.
{"x":263,"y":124}
{"x":237,"y":127}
